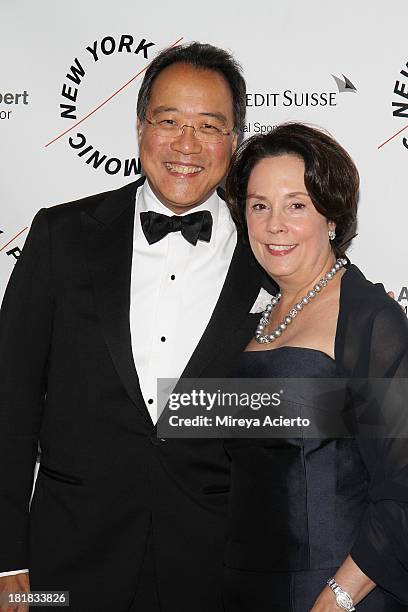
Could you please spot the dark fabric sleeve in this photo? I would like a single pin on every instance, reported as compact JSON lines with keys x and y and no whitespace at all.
{"x":381,"y":549}
{"x":25,"y":331}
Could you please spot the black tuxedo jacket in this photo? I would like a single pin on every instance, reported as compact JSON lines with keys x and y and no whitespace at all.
{"x":68,"y":381}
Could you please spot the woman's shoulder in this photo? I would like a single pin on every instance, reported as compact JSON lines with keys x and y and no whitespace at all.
{"x":368,"y":300}
{"x":372,"y":331}
{"x":355,"y":287}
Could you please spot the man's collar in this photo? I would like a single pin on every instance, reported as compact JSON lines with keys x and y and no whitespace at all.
{"x":146,"y":200}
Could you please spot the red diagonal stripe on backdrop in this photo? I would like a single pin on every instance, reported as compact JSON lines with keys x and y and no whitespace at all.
{"x":392,"y":137}
{"x":16,"y":236}
{"x":115,"y":93}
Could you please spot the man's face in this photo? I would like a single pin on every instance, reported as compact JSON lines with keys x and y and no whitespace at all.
{"x":184,"y":171}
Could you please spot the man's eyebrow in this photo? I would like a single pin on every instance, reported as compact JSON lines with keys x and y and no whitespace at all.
{"x":215,"y":115}
{"x":164,"y":109}
{"x":172,"y":109}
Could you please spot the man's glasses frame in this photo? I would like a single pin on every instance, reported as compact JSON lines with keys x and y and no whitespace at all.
{"x":204,"y":133}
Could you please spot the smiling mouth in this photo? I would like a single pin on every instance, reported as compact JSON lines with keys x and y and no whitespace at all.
{"x":281,"y":248}
{"x":183,"y":169}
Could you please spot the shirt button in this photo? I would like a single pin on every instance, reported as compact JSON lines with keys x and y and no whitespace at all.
{"x":150,"y":401}
{"x":163,"y":339}
{"x":173,"y":277}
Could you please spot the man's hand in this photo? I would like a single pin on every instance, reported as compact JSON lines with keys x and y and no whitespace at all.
{"x":19,"y":583}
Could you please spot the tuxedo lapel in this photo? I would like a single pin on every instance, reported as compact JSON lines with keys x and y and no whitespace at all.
{"x":109,"y":231}
{"x":236,"y":299}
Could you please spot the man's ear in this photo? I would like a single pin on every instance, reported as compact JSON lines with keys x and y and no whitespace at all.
{"x":234,"y":143}
{"x":139,"y":129}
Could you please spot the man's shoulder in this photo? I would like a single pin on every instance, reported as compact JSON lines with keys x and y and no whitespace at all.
{"x":91,"y":203}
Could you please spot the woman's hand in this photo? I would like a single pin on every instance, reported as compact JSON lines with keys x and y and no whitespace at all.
{"x":352,"y":580}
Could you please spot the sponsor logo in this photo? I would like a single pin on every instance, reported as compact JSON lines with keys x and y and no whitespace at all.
{"x":399,"y":105}
{"x":12,"y":98}
{"x":289,"y":98}
{"x":9,"y":248}
{"x":99,"y":157}
{"x":344,"y":85}
{"x":400,"y":102}
{"x":403,"y":298}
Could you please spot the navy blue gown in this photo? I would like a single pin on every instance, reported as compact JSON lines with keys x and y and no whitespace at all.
{"x":296,"y":505}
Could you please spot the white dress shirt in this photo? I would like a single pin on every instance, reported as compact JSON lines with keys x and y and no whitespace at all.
{"x":174,"y":289}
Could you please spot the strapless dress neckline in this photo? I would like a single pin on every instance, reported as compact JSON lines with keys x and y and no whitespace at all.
{"x":294,"y":348}
{"x":284,"y":362}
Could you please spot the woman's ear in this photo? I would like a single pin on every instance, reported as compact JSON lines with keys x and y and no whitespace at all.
{"x":331,"y":226}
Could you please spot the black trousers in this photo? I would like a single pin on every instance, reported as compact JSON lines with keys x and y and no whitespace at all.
{"x":146,"y":597}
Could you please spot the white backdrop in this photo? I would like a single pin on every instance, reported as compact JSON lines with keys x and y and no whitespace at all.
{"x":286,"y":48}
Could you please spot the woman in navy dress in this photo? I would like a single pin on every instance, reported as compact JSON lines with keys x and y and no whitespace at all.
{"x":306,"y":511}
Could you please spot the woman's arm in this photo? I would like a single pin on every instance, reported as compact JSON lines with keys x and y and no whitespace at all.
{"x":381,"y":545}
{"x":380,"y":552}
{"x":352,"y":580}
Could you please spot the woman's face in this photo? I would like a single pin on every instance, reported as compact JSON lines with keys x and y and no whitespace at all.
{"x":288,"y":236}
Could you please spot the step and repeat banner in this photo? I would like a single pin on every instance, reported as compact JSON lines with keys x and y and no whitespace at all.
{"x":70,"y":73}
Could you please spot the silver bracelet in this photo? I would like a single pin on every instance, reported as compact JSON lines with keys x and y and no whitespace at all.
{"x":343,"y":599}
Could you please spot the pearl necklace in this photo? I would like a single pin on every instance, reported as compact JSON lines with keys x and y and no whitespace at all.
{"x":293,"y":312}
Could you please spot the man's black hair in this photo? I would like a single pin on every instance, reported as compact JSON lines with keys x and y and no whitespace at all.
{"x":203,"y":57}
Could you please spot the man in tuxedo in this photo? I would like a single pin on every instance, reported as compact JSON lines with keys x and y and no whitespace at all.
{"x":110,"y":293}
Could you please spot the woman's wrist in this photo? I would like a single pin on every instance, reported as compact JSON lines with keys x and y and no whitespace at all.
{"x":326,"y":602}
{"x":352,"y":580}
{"x":343,"y":599}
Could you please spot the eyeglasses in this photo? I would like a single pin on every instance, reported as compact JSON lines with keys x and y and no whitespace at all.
{"x":206,"y":132}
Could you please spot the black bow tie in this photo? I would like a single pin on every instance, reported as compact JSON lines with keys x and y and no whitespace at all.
{"x":195,"y":226}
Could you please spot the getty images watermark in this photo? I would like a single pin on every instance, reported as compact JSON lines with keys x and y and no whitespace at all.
{"x":282,"y":408}
{"x":222,"y":400}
